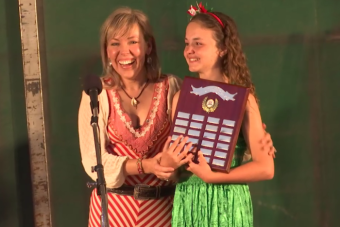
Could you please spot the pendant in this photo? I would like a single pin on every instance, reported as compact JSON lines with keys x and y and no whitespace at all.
{"x":134,"y":102}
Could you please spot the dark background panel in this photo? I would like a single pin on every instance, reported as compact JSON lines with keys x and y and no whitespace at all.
{"x":292,"y":50}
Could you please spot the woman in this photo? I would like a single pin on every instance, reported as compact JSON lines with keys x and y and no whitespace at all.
{"x":209,"y":198}
{"x":133,"y":123}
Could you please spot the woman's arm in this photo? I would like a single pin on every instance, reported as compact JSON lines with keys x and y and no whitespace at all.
{"x":116,"y":168}
{"x":113,"y":171}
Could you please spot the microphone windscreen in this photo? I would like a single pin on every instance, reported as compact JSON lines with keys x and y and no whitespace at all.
{"x":92,"y":82}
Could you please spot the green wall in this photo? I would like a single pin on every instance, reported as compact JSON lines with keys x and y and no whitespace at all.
{"x":292,"y":48}
{"x":16,"y":206}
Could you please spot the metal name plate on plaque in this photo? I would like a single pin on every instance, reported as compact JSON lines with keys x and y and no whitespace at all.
{"x":210,"y":113}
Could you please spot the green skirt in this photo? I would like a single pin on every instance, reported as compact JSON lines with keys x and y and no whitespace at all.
{"x":197,"y":203}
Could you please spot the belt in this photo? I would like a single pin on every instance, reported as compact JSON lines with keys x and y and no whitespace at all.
{"x":144,"y":191}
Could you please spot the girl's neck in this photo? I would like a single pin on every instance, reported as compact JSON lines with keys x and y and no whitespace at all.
{"x":214,"y":75}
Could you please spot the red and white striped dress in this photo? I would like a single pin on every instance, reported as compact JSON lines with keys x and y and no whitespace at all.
{"x":145,"y":142}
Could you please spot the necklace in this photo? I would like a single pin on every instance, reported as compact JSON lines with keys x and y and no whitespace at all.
{"x":134,"y":100}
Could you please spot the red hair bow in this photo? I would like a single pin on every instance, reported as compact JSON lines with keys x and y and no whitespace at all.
{"x":192,"y":11}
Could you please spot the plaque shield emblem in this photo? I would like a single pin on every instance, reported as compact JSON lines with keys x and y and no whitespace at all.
{"x":209,"y":105}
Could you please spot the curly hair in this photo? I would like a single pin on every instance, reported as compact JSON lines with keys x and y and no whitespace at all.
{"x":234,"y":61}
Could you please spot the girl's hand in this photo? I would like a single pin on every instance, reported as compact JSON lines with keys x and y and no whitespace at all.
{"x":202,"y":169}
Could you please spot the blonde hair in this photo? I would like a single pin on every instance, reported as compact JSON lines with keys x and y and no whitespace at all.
{"x":119,"y":22}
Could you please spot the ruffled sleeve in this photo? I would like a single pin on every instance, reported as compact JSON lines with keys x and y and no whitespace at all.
{"x":113,"y":165}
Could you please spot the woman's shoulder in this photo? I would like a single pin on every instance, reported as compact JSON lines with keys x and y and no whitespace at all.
{"x":172,"y":80}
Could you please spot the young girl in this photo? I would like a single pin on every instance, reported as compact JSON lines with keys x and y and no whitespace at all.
{"x":208,"y":198}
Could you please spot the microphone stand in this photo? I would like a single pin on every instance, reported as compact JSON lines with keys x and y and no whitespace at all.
{"x":101,"y":184}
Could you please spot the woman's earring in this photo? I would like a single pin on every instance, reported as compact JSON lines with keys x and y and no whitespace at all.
{"x":223,"y":53}
{"x":149,"y":60}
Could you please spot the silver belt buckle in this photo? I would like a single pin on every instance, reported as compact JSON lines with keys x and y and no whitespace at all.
{"x":137,"y":192}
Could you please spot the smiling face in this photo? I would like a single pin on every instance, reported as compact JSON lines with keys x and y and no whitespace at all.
{"x":127,"y":53}
{"x":201,"y":52}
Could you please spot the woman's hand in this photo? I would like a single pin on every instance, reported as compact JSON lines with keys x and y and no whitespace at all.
{"x":152,"y":165}
{"x":176,"y":154}
{"x":267,"y":143}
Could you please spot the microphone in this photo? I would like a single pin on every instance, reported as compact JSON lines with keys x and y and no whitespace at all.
{"x":93,"y":87}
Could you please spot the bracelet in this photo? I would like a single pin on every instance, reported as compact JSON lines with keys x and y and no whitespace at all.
{"x":140,"y":166}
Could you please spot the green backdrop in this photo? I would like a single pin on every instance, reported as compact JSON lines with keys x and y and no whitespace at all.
{"x":293,"y":52}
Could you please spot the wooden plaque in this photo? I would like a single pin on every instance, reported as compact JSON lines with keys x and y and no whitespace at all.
{"x":211,"y":113}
